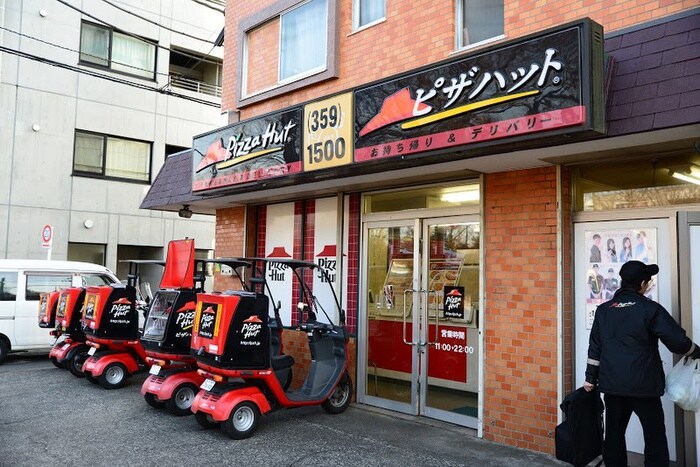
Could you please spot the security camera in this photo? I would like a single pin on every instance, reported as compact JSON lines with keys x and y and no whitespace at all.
{"x":185,"y":212}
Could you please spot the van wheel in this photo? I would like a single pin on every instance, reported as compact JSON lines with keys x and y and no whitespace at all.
{"x":181,"y":402}
{"x":4,"y":349}
{"x":114,"y":376}
{"x":243,"y":420}
{"x":204,"y":420}
{"x":340,"y":399}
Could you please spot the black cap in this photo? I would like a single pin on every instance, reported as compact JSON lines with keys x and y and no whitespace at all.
{"x":636,"y":271}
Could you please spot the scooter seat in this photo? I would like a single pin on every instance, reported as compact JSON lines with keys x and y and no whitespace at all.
{"x":281,"y":362}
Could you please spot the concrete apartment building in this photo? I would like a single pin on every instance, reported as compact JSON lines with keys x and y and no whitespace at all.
{"x":94,"y":95}
{"x":514,"y":153}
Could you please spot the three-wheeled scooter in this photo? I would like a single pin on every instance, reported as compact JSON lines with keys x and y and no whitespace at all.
{"x":111,"y":324}
{"x":73,"y":351}
{"x":231,"y":342}
{"x":47,"y":320}
{"x":173,"y":380}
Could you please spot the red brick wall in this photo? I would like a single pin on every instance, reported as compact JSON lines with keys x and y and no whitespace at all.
{"x":230,"y":225}
{"x":520,"y":319}
{"x":419,"y":32}
{"x":567,"y":254}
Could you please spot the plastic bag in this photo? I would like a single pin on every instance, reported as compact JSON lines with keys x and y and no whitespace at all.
{"x":683,"y":384}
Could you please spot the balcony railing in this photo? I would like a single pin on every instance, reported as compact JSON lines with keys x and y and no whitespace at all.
{"x":194,"y":85}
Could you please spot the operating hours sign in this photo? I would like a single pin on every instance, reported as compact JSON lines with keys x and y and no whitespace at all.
{"x":328,"y":132}
{"x":46,"y":236}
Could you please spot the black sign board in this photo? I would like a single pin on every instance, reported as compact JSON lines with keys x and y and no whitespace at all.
{"x":208,"y":320}
{"x":453,"y":304}
{"x":547,"y":83}
{"x":257,"y":149}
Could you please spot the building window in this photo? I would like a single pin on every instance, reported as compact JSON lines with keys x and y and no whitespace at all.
{"x":289,"y":45}
{"x":368,"y":12}
{"x":117,"y":51}
{"x":303,"y":40}
{"x":629,"y":182}
{"x":87,"y":252}
{"x":111,"y":157}
{"x":478,"y":21}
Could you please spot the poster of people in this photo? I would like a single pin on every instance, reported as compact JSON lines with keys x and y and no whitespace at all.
{"x":606,"y":252}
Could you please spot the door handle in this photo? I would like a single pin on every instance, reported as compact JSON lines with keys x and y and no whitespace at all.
{"x":437,"y":316}
{"x":405,"y":314}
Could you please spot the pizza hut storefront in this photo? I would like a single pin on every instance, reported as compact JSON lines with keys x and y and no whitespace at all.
{"x":426,"y":198}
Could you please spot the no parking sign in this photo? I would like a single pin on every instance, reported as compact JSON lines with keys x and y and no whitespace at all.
{"x":46,"y":236}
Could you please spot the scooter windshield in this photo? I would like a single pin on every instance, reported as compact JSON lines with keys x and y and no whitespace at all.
{"x":156,"y":323}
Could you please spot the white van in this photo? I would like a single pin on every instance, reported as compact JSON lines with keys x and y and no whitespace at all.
{"x":21,"y":282}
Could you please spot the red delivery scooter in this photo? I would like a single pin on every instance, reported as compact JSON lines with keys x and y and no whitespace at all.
{"x":111,"y":324}
{"x":47,"y":320}
{"x":73,"y":352}
{"x":173,"y":380}
{"x":231,"y":342}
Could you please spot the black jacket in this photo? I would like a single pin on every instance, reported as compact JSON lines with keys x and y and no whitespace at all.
{"x":623,"y":350}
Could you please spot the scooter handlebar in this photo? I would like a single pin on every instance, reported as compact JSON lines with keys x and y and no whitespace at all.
{"x":311,"y":326}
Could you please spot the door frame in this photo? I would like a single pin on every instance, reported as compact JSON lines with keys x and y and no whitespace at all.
{"x":418,"y":219}
{"x":667,"y":296}
{"x":688,"y":444}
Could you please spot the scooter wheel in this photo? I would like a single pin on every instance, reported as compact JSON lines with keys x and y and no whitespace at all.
{"x":75,"y":362}
{"x":153,"y":401}
{"x":341,"y":397}
{"x":91,"y":378}
{"x":113,"y":376}
{"x":243,"y":420}
{"x":181,"y":402}
{"x":204,"y":421}
{"x":54,"y":360}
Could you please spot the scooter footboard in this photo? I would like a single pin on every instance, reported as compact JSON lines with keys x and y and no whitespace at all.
{"x":220,"y":405}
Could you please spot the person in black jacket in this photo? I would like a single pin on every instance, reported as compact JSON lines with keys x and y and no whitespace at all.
{"x":624,"y":362}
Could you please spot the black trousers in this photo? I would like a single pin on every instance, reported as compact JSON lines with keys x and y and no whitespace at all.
{"x":618,"y":410}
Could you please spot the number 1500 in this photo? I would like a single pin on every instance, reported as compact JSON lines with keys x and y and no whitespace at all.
{"x":326,"y":151}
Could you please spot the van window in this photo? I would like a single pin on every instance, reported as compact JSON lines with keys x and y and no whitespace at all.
{"x":37,"y":283}
{"x":95,"y":279}
{"x":8,"y":286}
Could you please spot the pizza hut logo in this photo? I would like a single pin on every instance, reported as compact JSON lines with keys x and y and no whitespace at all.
{"x":185,"y":319}
{"x":251,"y":330}
{"x":327,"y":261}
{"x":453,"y":300}
{"x":120,"y":308}
{"x":207,"y":319}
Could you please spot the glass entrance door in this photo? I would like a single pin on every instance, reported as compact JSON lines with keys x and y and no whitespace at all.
{"x":421,"y":318}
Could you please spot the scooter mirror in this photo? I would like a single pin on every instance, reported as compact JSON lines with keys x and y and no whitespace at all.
{"x":146,"y":292}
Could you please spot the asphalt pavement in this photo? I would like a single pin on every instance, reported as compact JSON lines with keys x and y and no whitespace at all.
{"x":49,"y":417}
